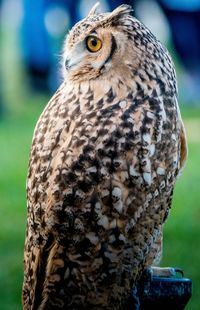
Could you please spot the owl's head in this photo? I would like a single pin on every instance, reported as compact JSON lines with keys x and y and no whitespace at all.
{"x":100,"y":43}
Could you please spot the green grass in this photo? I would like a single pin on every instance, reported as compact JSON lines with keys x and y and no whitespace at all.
{"x":15,"y":139}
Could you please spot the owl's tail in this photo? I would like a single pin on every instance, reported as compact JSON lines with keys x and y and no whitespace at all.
{"x":37,"y":262}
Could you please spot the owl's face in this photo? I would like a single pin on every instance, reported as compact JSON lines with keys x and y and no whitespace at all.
{"x":98,"y":45}
{"x":93,"y":54}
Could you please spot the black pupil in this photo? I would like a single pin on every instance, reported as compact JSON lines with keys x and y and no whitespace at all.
{"x":93,"y":42}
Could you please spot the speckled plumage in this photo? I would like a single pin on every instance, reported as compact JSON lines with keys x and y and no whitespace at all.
{"x":105,"y":155}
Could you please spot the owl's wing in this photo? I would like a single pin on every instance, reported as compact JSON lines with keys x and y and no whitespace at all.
{"x":156,"y":253}
{"x":184,"y":150}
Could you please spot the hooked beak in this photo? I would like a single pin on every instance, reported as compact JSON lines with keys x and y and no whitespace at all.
{"x":67,"y":64}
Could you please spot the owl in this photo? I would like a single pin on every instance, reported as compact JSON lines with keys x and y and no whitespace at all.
{"x":105,"y":156}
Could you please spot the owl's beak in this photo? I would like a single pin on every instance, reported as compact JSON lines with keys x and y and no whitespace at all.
{"x":69,"y":63}
{"x":67,"y":66}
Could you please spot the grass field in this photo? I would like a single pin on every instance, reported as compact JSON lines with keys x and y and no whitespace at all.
{"x":182,"y":231}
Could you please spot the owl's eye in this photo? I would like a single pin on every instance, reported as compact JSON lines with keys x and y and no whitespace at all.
{"x":93,"y":44}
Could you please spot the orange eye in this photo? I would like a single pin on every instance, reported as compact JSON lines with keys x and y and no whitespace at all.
{"x":93,"y":44}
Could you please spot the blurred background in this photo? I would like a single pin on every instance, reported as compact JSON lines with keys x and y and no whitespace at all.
{"x":31,"y":36}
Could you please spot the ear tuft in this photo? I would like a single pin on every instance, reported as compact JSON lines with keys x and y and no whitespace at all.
{"x":118,"y":16}
{"x":123,"y":9}
{"x":93,"y":9}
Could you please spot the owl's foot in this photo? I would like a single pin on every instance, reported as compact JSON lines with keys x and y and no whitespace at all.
{"x":164,"y":288}
{"x":161,"y":272}
{"x":167,"y":272}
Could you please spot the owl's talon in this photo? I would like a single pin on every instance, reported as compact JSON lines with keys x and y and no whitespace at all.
{"x":179,"y":271}
{"x":167,"y":272}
